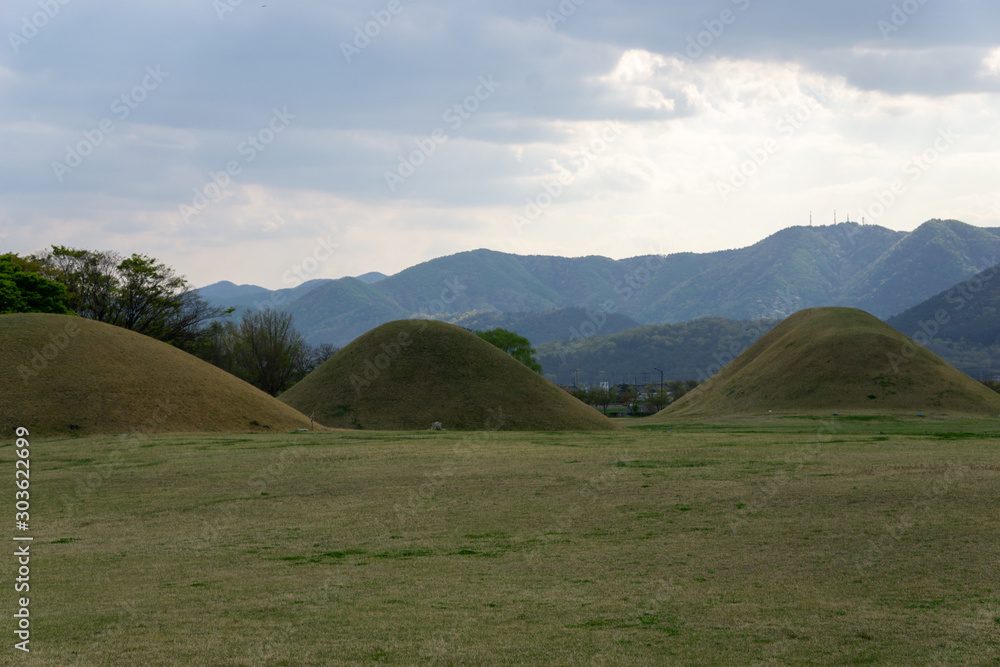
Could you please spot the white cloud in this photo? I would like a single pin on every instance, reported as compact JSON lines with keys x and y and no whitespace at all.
{"x":637,"y":77}
{"x":991,"y":63}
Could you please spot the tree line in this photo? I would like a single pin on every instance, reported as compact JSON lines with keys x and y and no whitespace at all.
{"x":631,"y":396}
{"x":139,"y":293}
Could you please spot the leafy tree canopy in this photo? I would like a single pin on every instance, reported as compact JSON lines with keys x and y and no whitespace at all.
{"x":263,"y":349}
{"x":136,"y":292}
{"x":516,"y":346}
{"x":23,"y":290}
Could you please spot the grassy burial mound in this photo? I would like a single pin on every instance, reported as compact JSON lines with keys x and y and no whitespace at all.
{"x":409,"y":374}
{"x":832,"y":359}
{"x":62,"y":375}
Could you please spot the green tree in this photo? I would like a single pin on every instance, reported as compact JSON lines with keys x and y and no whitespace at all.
{"x":267,"y":350}
{"x":220,"y":346}
{"x":136,"y":292}
{"x":628,"y":395}
{"x":24,"y":290}
{"x":518,"y":347}
{"x":88,"y":277}
{"x":677,"y":388}
{"x":602,"y":397}
{"x":655,"y":398}
{"x":581,"y":394}
{"x":217,"y":346}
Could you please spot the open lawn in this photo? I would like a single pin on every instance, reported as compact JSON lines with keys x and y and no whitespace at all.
{"x":773,"y":541}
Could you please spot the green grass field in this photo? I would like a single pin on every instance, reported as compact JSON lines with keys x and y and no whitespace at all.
{"x":778,"y":541}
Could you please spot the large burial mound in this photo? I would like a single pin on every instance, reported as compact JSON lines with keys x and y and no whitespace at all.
{"x":836,"y":359}
{"x":62,"y":375}
{"x":408,"y":374}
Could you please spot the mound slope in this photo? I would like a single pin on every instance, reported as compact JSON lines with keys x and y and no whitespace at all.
{"x":409,"y":374}
{"x":59,"y":370}
{"x":831,"y":359}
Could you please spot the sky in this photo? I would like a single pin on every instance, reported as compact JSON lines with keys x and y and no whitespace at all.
{"x":270,"y":142}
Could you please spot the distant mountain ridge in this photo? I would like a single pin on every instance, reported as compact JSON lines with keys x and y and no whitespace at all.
{"x":960,"y":324}
{"x":866,"y":266}
{"x":371,"y":277}
{"x":545,"y":326}
{"x":692,"y":350}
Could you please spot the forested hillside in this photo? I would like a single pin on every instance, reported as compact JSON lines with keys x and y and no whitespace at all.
{"x":689,"y":350}
{"x":961,"y":324}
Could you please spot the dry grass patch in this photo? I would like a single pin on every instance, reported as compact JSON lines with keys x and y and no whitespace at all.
{"x":408,"y":374}
{"x":63,"y":375}
{"x":761,"y":541}
{"x":826,"y":360}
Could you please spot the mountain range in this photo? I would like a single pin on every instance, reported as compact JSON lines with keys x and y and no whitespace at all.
{"x":692,"y":350}
{"x":879,"y":270}
{"x":960,"y":324}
